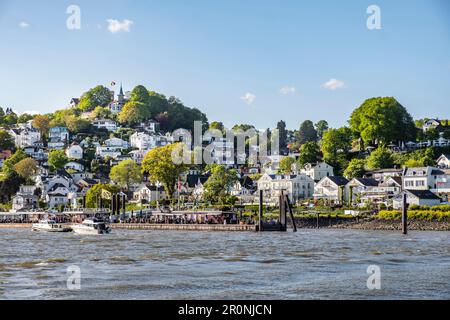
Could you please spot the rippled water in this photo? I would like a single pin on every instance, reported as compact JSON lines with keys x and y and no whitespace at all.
{"x":314,"y":264}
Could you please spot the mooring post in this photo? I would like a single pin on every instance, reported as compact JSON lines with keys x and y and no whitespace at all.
{"x":405,"y":214}
{"x":317,"y":223}
{"x":260,"y":223}
{"x":288,"y":203}
{"x":283,"y":222}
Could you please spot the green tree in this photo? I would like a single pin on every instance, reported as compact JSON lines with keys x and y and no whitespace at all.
{"x":133,"y":113}
{"x":355,"y":169}
{"x":26,"y":168}
{"x":140,"y":94}
{"x":336,"y":142}
{"x":102,"y":113}
{"x":411,"y":163}
{"x":126,"y":173}
{"x":217,"y":126}
{"x":77,"y":125}
{"x":321,"y":127}
{"x":309,"y":153}
{"x":382,"y":121}
{"x":24,"y":117}
{"x":431,"y":135}
{"x":6,"y":140}
{"x":8,"y":165}
{"x":381,"y":158}
{"x":286,"y":165}
{"x":307,"y":132}
{"x":98,"y":96}
{"x":281,"y":126}
{"x":95,"y":193}
{"x":161,"y":167}
{"x":9,"y":185}
{"x":217,"y":187}
{"x":41,"y":123}
{"x":57,"y":159}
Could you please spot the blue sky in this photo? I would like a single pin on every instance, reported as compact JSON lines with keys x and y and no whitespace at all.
{"x":213,"y":54}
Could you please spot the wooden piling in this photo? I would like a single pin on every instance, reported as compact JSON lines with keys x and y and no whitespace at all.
{"x":288,"y":203}
{"x":260,"y":223}
{"x":405,"y":214}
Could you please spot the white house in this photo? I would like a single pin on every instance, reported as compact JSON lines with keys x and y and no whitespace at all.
{"x":443,"y":161}
{"x":430,"y":124}
{"x":107,"y":124}
{"x":117,"y":143}
{"x":146,"y":142}
{"x":137,"y":156}
{"x":74,"y":151}
{"x":58,"y":138}
{"x":441,"y":185}
{"x":25,"y":137}
{"x":58,"y":134}
{"x":420,"y":178}
{"x":150,"y":126}
{"x":318,"y":171}
{"x":417,"y":197}
{"x":148,"y":193}
{"x":295,"y":186}
{"x":25,"y":199}
{"x":243,"y":187}
{"x":74,"y":166}
{"x":331,"y":189}
{"x":108,"y":152}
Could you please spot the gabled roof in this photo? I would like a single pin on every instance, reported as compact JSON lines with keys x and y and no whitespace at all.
{"x":247,"y":182}
{"x":397,"y":180}
{"x":340,"y":181}
{"x":424,"y":194}
{"x":368,"y":182}
{"x":193,"y":179}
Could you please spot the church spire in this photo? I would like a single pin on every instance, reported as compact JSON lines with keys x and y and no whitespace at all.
{"x":121,"y":96}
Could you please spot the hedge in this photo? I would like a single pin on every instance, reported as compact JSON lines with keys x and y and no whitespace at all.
{"x":415,"y":214}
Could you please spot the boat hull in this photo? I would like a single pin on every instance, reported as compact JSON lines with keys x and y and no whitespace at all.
{"x":88,"y":231}
{"x":44,"y":229}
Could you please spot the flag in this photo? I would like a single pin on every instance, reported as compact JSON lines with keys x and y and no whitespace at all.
{"x":106,"y":194}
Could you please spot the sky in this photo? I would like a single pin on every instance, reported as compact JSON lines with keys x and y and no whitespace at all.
{"x":252,"y":61}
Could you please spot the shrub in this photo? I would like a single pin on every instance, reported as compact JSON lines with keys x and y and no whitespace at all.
{"x":416,"y":214}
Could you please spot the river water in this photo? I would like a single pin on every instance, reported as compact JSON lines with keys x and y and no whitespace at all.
{"x":310,"y":264}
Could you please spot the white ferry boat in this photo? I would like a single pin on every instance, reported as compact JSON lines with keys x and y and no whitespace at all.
{"x":49,"y":226}
{"x":92,"y":227}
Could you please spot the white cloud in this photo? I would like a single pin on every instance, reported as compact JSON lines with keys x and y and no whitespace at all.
{"x":288,"y":90}
{"x":334,"y":84}
{"x":115,"y":26}
{"x":249,"y":98}
{"x":24,"y":24}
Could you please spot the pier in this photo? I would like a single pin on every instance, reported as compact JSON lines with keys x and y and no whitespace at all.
{"x":187,"y":227}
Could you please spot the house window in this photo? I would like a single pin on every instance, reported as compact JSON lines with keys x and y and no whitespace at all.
{"x":420,"y":183}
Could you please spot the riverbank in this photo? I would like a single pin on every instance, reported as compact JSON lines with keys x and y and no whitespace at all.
{"x":302,"y":223}
{"x":372,"y":224}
